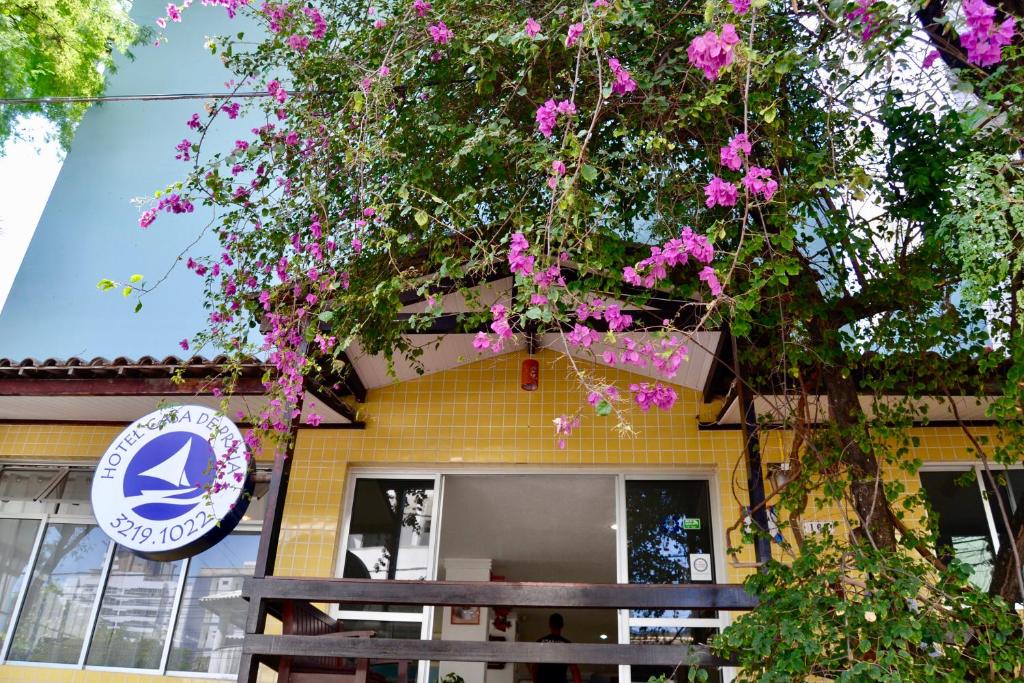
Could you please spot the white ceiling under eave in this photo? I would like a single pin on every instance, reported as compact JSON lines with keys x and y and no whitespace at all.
{"x":444,"y":352}
{"x":125,"y":409}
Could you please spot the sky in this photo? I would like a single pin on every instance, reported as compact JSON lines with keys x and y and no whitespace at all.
{"x":28,"y":169}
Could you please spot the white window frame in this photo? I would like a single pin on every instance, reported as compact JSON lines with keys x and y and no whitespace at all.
{"x":979,"y":475}
{"x":46,"y":518}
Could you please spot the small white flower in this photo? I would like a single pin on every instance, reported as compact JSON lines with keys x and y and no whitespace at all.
{"x":870,"y":617}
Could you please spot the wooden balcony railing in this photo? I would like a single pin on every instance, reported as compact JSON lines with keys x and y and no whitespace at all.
{"x":312,"y":647}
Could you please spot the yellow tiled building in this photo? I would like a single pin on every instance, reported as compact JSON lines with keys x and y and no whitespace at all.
{"x":501,"y":497}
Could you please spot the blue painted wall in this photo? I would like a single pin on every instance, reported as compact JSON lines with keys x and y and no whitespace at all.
{"x":89,"y":228}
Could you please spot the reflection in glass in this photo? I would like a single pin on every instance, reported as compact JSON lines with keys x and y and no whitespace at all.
{"x":963,"y":528}
{"x":669,"y":635}
{"x":389,"y":535}
{"x":1010,"y":485}
{"x":61,"y":592}
{"x":17,"y":536}
{"x":135,"y":612}
{"x":75,"y":494}
{"x":211,"y":623}
{"x":19,"y":488}
{"x":666,"y":522}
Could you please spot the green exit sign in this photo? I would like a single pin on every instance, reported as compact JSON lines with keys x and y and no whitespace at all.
{"x":692,"y":524}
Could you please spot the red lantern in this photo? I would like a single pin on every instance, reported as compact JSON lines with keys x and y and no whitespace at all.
{"x":531,"y":375}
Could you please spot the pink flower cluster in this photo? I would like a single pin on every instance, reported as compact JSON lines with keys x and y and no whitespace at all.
{"x":985,"y":40}
{"x":623,"y":82}
{"x":564,"y":425}
{"x":532,"y":27}
{"x":740,"y":7}
{"x":712,"y":52}
{"x":172,"y":203}
{"x":758,"y":181}
{"x":573,"y":35}
{"x":519,"y":260}
{"x":277,"y":91}
{"x":547,"y":115}
{"x":862,"y":15}
{"x":183,"y":148}
{"x":557,"y":171}
{"x":597,"y":309}
{"x":731,"y":152}
{"x":441,"y":34}
{"x":647,"y":395}
{"x":421,"y":7}
{"x":675,"y":252}
{"x":500,"y":326}
{"x":231,"y":109}
{"x":720,"y":193}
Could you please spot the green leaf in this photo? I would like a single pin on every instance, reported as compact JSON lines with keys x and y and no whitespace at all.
{"x":422,"y":218}
{"x":589,"y":173}
{"x":135,"y":278}
{"x":105,"y":285}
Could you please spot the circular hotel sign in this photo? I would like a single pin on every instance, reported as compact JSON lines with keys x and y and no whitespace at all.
{"x":172,"y":484}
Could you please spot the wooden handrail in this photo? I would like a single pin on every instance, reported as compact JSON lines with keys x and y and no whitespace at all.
{"x":720,"y":596}
{"x":264,"y":646}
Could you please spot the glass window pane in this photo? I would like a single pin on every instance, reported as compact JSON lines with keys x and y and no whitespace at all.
{"x":211,"y":624}
{"x":389,"y":533}
{"x":18,"y":488}
{"x":74,"y":499}
{"x":666,"y":522}
{"x":1010,"y":484}
{"x":61,"y":592}
{"x":135,"y":613}
{"x":963,"y":528}
{"x":669,"y":635}
{"x":17,"y":536}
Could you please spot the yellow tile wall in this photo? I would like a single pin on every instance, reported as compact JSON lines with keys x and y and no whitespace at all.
{"x":471,"y":416}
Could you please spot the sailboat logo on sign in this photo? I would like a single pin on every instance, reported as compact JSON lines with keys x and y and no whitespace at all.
{"x":169,"y":475}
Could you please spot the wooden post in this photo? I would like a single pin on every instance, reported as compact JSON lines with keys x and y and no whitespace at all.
{"x":752,"y":451}
{"x":270,"y":534}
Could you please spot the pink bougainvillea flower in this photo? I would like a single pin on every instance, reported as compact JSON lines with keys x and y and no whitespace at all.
{"x":759,"y":181}
{"x":173,"y":12}
{"x":275,"y":89}
{"x":441,"y":34}
{"x":519,"y":260}
{"x":647,"y":395}
{"x":193,"y":122}
{"x":985,"y":40}
{"x":731,"y":152}
{"x":183,"y":344}
{"x":231,"y":109}
{"x":720,"y":193}
{"x":184,"y":148}
{"x":708,"y":275}
{"x":623,"y":82}
{"x":864,"y":18}
{"x":147,"y":218}
{"x":532,"y":27}
{"x":547,"y":116}
{"x":740,"y":7}
{"x":598,"y":4}
{"x":313,"y":420}
{"x":712,"y":53}
{"x":574,"y":33}
{"x":930,"y":59}
{"x":298,"y":43}
{"x":162,"y":23}
{"x":421,"y":7}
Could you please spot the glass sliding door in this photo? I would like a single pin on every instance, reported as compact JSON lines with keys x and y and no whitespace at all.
{"x":390,"y":536}
{"x":666,"y":537}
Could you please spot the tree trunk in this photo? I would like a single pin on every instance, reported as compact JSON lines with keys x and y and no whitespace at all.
{"x":867,"y":487}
